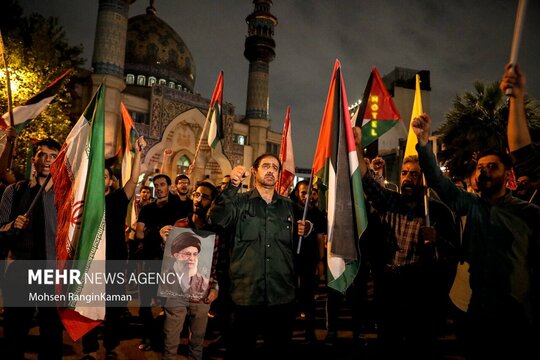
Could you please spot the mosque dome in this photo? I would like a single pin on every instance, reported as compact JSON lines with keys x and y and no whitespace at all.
{"x":155,"y":53}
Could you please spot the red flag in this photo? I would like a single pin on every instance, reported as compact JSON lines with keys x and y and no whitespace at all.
{"x":286,"y":156}
{"x":339,"y":181}
{"x":215,"y":132}
{"x":127,"y":143}
{"x":377,"y":113}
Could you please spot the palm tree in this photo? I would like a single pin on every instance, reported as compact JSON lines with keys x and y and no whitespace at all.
{"x":478,"y":122}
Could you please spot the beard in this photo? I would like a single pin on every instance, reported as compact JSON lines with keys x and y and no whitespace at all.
{"x":268,"y":180}
{"x":488,"y":185}
{"x":411,"y":191}
{"x":200,"y":210}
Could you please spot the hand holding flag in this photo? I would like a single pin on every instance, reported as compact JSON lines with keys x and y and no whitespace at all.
{"x":336,"y":166}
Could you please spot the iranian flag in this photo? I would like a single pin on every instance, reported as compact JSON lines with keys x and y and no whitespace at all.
{"x":377,"y":113}
{"x":215,"y":133}
{"x":35,"y":105}
{"x":80,"y":201}
{"x":335,"y":168}
{"x":286,"y":156}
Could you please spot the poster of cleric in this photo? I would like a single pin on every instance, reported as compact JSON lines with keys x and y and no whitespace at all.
{"x":187,"y":261}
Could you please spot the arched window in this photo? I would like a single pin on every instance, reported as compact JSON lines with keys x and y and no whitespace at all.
{"x":151,"y":80}
{"x":130,"y":79}
{"x":162,"y":82}
{"x":171,"y":84}
{"x":141,"y":80}
{"x":182,"y":165}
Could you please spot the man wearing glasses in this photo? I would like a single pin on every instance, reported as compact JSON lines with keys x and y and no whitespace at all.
{"x":413,"y":288}
{"x":198,"y":289}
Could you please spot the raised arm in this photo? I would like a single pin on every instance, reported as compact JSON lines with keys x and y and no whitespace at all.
{"x":445,"y":188}
{"x":357,"y":131}
{"x":223,"y":210}
{"x":518,"y":131}
{"x":131,"y":184}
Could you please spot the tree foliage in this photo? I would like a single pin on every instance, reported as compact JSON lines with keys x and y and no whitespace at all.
{"x":37,"y":52}
{"x":477,"y":122}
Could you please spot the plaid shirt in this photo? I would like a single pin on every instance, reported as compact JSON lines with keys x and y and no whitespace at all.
{"x":404,"y":222}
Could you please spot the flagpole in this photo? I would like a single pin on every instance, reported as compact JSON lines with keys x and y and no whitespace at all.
{"x":197,"y":150}
{"x":310,"y":187}
{"x":35,"y":200}
{"x":518,"y":26}
{"x":426,"y":202}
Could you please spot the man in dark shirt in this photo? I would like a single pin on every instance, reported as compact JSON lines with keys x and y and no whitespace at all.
{"x":183,"y":184}
{"x":30,"y":236}
{"x":200,"y":297}
{"x":310,"y":262}
{"x":164,"y":211}
{"x":501,"y":242}
{"x":262,"y":259}
{"x":116,"y":204}
{"x":414,"y":286}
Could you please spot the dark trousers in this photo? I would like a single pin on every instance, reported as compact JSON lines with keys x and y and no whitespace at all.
{"x":112,"y":328}
{"x":505,"y":334}
{"x":19,"y":320}
{"x":274,"y":323}
{"x":413,"y":310}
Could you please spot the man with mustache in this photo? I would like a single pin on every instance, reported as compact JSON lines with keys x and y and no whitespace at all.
{"x":261,"y":259}
{"x":501,"y":242}
{"x":412,"y":289}
{"x":200,"y":291}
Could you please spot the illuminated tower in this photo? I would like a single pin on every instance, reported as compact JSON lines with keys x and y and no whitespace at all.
{"x":259,"y":50}
{"x":108,"y":62}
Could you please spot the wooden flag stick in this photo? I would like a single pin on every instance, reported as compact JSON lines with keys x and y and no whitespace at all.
{"x":198,"y":149}
{"x":518,"y":27}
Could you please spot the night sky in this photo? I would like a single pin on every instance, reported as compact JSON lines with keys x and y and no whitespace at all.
{"x":458,"y":41}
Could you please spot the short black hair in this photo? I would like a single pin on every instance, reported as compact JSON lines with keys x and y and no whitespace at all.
{"x":209,"y":186}
{"x":144,"y":187}
{"x":180,"y":177}
{"x":258,"y":160}
{"x":504,"y":157}
{"x":48,"y":142}
{"x":159,"y":176}
{"x":292,"y":194}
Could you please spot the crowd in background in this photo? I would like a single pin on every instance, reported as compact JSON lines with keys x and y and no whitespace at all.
{"x":474,"y":259}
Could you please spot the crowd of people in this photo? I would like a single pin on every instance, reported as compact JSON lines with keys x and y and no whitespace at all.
{"x":234,"y":253}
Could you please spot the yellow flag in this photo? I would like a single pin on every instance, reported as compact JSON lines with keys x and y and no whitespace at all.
{"x":410,"y":149}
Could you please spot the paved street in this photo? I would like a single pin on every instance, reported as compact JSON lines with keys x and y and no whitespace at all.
{"x":344,"y":348}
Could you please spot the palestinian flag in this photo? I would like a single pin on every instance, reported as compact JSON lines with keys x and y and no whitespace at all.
{"x":35,"y":105}
{"x":377,"y":113}
{"x":215,"y":133}
{"x":335,"y":167}
{"x":80,"y":201}
{"x":128,"y":142}
{"x":412,"y":140}
{"x":286,"y":156}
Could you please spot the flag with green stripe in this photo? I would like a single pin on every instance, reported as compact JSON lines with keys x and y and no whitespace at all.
{"x":80,"y":201}
{"x":336,"y":170}
{"x":377,"y":113}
